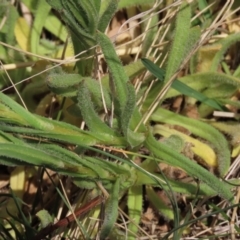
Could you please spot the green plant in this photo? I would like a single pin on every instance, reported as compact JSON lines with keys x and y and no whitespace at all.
{"x":125,"y":124}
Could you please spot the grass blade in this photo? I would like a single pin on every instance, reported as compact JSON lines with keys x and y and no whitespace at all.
{"x":180,"y":86}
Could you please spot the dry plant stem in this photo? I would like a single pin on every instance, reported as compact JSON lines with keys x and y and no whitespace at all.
{"x":60,"y":62}
{"x":124,"y":223}
{"x":139,"y":83}
{"x":169,"y":16}
{"x":234,"y":169}
{"x":141,"y":229}
{"x":104,"y":191}
{"x":136,"y":17}
{"x":72,"y":59}
{"x":218,"y":21}
{"x":206,"y":230}
{"x":201,"y":12}
{"x":3,"y":21}
{"x":147,"y":27}
{"x":61,"y":205}
{"x":235,"y":215}
{"x":101,"y":88}
{"x":225,"y":114}
{"x":66,"y":198}
{"x":215,"y":219}
{"x":141,"y":35}
{"x":13,"y":66}
{"x":26,"y":13}
{"x":65,"y":221}
{"x":120,"y":50}
{"x":141,"y":100}
{"x":235,"y":19}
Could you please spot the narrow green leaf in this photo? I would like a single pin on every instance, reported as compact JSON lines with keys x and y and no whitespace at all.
{"x":116,"y":69}
{"x":223,"y":91}
{"x":12,"y":16}
{"x":134,"y":203}
{"x":7,"y":137}
{"x":128,"y":110}
{"x":24,"y":114}
{"x":92,"y":14}
{"x":56,"y":4}
{"x":202,"y":130}
{"x":63,"y":132}
{"x":97,"y":4}
{"x":93,"y":121}
{"x":86,"y":39}
{"x":108,"y":8}
{"x":64,"y":84}
{"x":67,"y":85}
{"x":129,"y":115}
{"x":203,"y":4}
{"x":181,"y":36}
{"x":87,"y":165}
{"x":188,"y":91}
{"x":42,"y":11}
{"x":54,"y":129}
{"x":78,"y":13}
{"x":226,"y":43}
{"x":205,"y":80}
{"x":169,"y":156}
{"x":81,"y":19}
{"x":60,"y":160}
{"x":152,"y":25}
{"x":29,"y":155}
{"x":180,"y":86}
{"x":193,"y":37}
{"x":111,"y":211}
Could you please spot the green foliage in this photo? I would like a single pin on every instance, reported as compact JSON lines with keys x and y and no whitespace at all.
{"x":152,"y":30}
{"x":119,"y":77}
{"x":135,"y":202}
{"x":126,"y":3}
{"x":44,"y":217}
{"x":107,"y":10}
{"x":74,"y":152}
{"x":180,"y":86}
{"x":171,"y":157}
{"x":91,"y":118}
{"x":159,"y":203}
{"x":226,"y":43}
{"x":203,"y":130}
{"x":12,"y":16}
{"x":42,"y":12}
{"x":111,"y":211}
{"x":180,"y":42}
